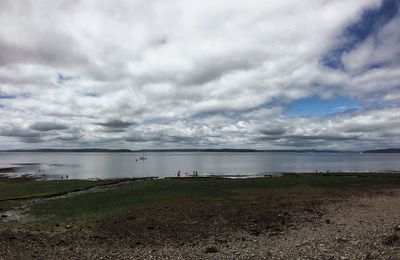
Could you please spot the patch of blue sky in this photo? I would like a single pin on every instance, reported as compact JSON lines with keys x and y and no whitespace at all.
{"x":156,"y":120}
{"x":370,"y":22}
{"x":380,"y":104}
{"x":315,"y":106}
{"x":203,"y":115}
{"x":5,"y":96}
{"x":26,"y":95}
{"x":236,"y":114}
{"x":91,"y":94}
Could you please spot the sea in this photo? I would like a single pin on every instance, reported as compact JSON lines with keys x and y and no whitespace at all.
{"x":167,"y":164}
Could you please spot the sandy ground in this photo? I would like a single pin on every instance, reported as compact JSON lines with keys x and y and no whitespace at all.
{"x":354,"y":226}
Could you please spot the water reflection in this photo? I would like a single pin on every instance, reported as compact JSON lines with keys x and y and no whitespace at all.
{"x":116,"y":165}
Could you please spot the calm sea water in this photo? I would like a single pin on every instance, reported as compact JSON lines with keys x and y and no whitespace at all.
{"x":115,"y":165}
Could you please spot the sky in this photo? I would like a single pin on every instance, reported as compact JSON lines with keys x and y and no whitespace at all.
{"x":312,"y":74}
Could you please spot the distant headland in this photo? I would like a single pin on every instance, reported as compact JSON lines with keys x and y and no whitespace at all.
{"x":224,"y":150}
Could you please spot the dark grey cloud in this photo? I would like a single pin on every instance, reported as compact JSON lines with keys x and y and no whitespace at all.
{"x":113,"y":130}
{"x":356,"y":128}
{"x":31,"y":140}
{"x":18,"y":132}
{"x":48,"y":126}
{"x":68,"y":138}
{"x":24,"y":135}
{"x":214,"y":68}
{"x":190,"y":140}
{"x":322,"y":138}
{"x":164,"y":138}
{"x":139,"y":139}
{"x":116,"y":124}
{"x":49,"y":51}
{"x":334,"y":138}
{"x":274,"y":131}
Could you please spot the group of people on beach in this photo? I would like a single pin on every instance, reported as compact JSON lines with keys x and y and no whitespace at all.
{"x":62,"y":176}
{"x":195,"y":174}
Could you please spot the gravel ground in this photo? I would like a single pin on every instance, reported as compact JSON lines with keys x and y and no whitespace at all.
{"x":358,"y":226}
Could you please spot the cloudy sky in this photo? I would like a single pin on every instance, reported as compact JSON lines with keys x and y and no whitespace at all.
{"x":135,"y":74}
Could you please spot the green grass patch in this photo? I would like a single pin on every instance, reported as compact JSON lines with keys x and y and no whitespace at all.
{"x":14,"y":190}
{"x":154,"y":193}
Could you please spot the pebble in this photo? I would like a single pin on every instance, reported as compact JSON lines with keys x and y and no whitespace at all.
{"x":342,"y":240}
{"x":211,"y":250}
{"x":372,"y":255}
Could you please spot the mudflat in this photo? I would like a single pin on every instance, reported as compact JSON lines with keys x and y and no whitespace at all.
{"x":354,"y":216}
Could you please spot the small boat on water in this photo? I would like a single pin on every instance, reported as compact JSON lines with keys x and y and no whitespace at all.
{"x":143,"y":157}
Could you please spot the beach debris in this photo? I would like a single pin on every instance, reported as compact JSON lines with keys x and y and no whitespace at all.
{"x":275,"y":233}
{"x":372,"y":255}
{"x":9,"y":236}
{"x":255,"y":232}
{"x":391,"y":240}
{"x":342,"y":240}
{"x":3,"y":216}
{"x":211,"y":250}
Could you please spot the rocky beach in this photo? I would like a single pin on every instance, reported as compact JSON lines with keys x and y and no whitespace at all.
{"x":289,"y":217}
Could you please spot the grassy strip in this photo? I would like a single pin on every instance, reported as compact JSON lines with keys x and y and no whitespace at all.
{"x":155,"y":193}
{"x":21,"y":190}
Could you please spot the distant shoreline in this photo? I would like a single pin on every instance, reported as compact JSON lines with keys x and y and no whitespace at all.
{"x":6,"y":173}
{"x":225,"y":150}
